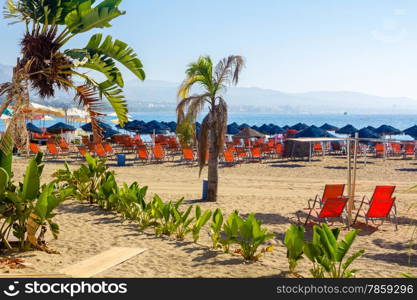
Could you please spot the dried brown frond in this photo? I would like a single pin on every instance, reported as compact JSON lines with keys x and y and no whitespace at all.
{"x":47,"y":68}
{"x":220,"y":124}
{"x":191,"y":106}
{"x":87,"y":96}
{"x":203,"y":141}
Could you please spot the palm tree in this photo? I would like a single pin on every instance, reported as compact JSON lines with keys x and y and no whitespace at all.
{"x":213,"y":81}
{"x":45,"y":65}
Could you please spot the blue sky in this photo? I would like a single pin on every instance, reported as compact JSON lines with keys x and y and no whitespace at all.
{"x":294,"y":45}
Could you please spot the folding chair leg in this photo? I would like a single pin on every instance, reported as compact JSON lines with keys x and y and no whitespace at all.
{"x":359,"y":209}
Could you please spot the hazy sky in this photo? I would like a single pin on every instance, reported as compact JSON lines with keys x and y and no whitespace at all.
{"x":294,"y":45}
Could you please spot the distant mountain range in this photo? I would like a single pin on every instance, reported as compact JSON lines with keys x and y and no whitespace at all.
{"x":160,"y":96}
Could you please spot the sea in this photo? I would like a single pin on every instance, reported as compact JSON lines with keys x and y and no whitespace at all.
{"x":359,"y":121}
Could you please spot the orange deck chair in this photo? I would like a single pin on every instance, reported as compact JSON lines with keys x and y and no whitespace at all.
{"x":379,"y":150}
{"x":256,"y":153}
{"x":158,"y":152}
{"x":330,"y":191}
{"x":108,"y":148}
{"x":188,"y":155}
{"x":381,"y":206}
{"x":330,"y":210}
{"x":396,"y":149}
{"x":409,"y":149}
{"x":82,"y":150}
{"x":99,"y":150}
{"x":52,"y":149}
{"x":63,"y":144}
{"x":279,"y":150}
{"x":318,"y":148}
{"x":34,"y":148}
{"x":229,"y":158}
{"x":142,"y":153}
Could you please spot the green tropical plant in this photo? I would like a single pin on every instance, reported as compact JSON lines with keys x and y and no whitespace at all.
{"x":200,"y":220}
{"x":164,"y":216}
{"x":294,"y":241}
{"x":325,"y":251}
{"x":231,"y":231}
{"x":328,"y":254}
{"x":213,"y":80}
{"x":46,"y":64}
{"x":108,"y":192}
{"x":131,"y":199}
{"x":86,"y":180}
{"x":251,"y":237}
{"x":29,"y":206}
{"x":216,"y":227}
{"x":182,"y":222}
{"x":145,"y":217}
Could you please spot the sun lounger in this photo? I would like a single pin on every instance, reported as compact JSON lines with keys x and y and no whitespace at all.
{"x":318,"y":149}
{"x":52,"y":149}
{"x":34,"y":148}
{"x":256,"y":153}
{"x":64,"y":145}
{"x":108,"y":148}
{"x":229,"y":158}
{"x":82,"y":150}
{"x":99,"y":150}
{"x":331,"y":209}
{"x":381,"y":206}
{"x":188,"y":155}
{"x":158,"y":153}
{"x":379,"y":150}
{"x":142,"y":153}
{"x":330,"y":191}
{"x":409,"y":149}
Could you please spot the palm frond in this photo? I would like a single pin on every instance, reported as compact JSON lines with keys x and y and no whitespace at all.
{"x":187,"y":84}
{"x":191,"y":106}
{"x":118,"y":51}
{"x":227,"y":71}
{"x":220,"y":123}
{"x":87,"y":97}
{"x":85,"y":17}
{"x":112,"y":93}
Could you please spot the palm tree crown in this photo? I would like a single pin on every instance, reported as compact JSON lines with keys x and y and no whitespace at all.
{"x":48,"y":66}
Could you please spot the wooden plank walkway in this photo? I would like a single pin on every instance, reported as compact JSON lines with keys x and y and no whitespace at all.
{"x":101,"y":262}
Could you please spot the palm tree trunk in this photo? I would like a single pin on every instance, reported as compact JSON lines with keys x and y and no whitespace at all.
{"x":213,"y":176}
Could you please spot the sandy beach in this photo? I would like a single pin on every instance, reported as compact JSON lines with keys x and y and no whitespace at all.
{"x":275,"y":190}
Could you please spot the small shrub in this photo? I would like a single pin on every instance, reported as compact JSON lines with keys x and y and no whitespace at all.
{"x":251,"y":236}
{"x":327,"y":254}
{"x":294,"y":241}
{"x":182,"y":222}
{"x":200,"y":220}
{"x":216,"y":227}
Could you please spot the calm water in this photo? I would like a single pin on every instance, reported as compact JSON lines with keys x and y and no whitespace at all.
{"x":398,"y":121}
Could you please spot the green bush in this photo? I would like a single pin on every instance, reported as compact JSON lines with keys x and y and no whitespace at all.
{"x":327,"y":254}
{"x":86,"y":180}
{"x":200,"y":220}
{"x":26,"y":207}
{"x":251,"y":236}
{"x":216,"y":227}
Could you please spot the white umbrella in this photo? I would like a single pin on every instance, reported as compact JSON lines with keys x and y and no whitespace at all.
{"x":35,"y":108}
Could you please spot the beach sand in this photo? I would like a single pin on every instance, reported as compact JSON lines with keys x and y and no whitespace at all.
{"x":274,"y":190}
